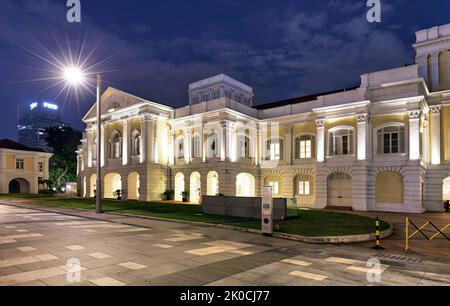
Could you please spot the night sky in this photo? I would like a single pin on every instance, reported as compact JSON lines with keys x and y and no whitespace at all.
{"x":153,"y":49}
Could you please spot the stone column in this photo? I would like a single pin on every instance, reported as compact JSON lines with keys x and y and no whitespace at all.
{"x":320,"y":151}
{"x":362,"y":136}
{"x":448,"y":69}
{"x":187,"y":145}
{"x":435,"y":134}
{"x":261,"y":146}
{"x":205,"y":134}
{"x":172,"y":147}
{"x":78,"y":163}
{"x":222,"y":139}
{"x":90,"y":141}
{"x":126,"y":142}
{"x":435,"y":71}
{"x":104,"y":146}
{"x":232,"y":141}
{"x":254,"y":145}
{"x":414,"y":134}
{"x":288,"y":145}
{"x":425,"y":139}
{"x":151,"y":140}
{"x":145,"y":119}
{"x":226,"y":145}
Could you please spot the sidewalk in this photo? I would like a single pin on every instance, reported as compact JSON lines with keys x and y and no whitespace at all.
{"x":439,"y":248}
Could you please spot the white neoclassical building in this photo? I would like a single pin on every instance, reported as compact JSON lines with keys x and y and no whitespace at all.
{"x":383,"y":146}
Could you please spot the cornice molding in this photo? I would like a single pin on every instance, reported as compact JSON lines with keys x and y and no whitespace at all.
{"x":414,"y":115}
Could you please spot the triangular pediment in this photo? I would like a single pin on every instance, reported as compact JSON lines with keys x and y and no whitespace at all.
{"x":114,"y":100}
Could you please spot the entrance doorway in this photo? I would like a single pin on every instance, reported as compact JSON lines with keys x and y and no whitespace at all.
{"x":340,"y":190}
{"x":19,"y":185}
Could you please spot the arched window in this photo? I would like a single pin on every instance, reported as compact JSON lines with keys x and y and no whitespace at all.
{"x":245,"y":185}
{"x":340,"y":141}
{"x":196,"y":146}
{"x":391,"y":139}
{"x":115,"y":145}
{"x":305,"y":147}
{"x":136,"y":143}
{"x":243,"y":146}
{"x":274,"y":149}
{"x":213,"y":146}
{"x":179,"y":148}
{"x":212,"y":182}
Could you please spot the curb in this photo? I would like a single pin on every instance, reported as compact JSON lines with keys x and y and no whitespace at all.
{"x":306,"y":239}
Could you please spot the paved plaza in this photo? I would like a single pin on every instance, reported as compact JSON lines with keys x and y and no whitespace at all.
{"x":41,"y":246}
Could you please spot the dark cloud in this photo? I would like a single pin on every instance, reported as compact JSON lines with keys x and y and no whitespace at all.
{"x":154,"y":49}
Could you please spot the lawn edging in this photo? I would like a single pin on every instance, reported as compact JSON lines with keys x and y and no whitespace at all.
{"x":306,"y":239}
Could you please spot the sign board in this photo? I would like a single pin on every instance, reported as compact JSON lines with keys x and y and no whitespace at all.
{"x":267,"y":211}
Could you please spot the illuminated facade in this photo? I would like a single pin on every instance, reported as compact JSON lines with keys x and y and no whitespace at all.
{"x":384,"y":146}
{"x":22,"y":168}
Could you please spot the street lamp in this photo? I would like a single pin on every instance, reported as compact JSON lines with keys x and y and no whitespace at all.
{"x":74,"y":76}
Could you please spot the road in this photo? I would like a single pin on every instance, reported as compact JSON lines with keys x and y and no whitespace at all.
{"x":63,"y":247}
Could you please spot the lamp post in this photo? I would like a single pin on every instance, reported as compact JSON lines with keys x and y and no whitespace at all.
{"x":98,"y":198}
{"x":74,"y":76}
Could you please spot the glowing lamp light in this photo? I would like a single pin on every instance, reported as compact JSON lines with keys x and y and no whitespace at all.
{"x":73,"y":75}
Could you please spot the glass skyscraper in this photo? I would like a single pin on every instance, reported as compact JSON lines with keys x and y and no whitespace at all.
{"x":33,"y":120}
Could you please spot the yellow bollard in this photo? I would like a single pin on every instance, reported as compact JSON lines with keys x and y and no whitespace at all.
{"x":378,"y":234}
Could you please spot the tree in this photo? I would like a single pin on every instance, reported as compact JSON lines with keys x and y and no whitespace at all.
{"x":63,"y":164}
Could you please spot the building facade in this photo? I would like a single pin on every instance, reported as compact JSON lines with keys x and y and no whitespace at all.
{"x":21,"y":168}
{"x":383,"y":146}
{"x":34,"y":119}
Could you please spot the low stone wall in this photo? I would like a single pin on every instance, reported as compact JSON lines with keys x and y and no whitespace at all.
{"x":241,"y":207}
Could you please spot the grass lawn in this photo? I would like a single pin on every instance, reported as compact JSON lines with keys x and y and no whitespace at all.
{"x":316,"y":223}
{"x":308,"y":223}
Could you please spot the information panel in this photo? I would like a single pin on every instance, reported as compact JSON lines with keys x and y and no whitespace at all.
{"x":267,"y":211}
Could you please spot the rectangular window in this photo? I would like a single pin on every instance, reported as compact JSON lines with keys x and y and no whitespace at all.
{"x":41,"y":167}
{"x":304,"y":188}
{"x":387,"y":143}
{"x":20,"y":164}
{"x":305,"y":149}
{"x":391,"y":140}
{"x":345,"y":145}
{"x":244,"y":147}
{"x":394,"y":143}
{"x":341,"y":142}
{"x":275,"y":151}
{"x":275,"y":187}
